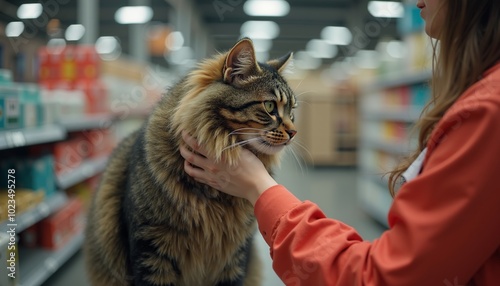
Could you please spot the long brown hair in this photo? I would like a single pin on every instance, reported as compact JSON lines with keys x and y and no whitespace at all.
{"x":468,"y":45}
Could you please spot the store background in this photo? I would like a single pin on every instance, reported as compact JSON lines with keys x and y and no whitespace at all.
{"x":76,"y":76}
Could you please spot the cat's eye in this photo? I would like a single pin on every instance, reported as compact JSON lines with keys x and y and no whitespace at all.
{"x":269,"y":106}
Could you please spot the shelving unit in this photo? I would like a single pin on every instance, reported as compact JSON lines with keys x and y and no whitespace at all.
{"x":16,"y":138}
{"x":38,"y":264}
{"x":31,"y":136}
{"x":43,"y":263}
{"x":327,"y":122}
{"x":86,"y":170}
{"x":376,"y":143}
{"x":37,"y":213}
{"x":86,"y":123}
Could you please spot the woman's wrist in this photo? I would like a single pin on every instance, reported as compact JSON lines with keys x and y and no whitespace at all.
{"x":260,"y":187}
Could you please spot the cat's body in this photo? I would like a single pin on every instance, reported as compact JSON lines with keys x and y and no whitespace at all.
{"x":152,"y":224}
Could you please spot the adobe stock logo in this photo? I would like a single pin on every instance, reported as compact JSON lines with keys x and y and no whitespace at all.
{"x":33,"y":26}
{"x":223,"y":6}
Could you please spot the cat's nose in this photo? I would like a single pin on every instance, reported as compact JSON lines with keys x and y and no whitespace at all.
{"x":291,"y":133}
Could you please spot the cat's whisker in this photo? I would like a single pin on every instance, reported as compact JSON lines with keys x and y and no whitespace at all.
{"x":296,"y":157}
{"x":301,"y":102}
{"x":240,"y":143}
{"x":298,"y":144}
{"x":243,"y":131}
{"x":305,"y":92}
{"x":250,"y":129}
{"x":300,"y":82}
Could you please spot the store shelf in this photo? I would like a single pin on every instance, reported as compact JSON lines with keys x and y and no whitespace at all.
{"x":374,"y":199}
{"x":37,"y":213}
{"x":410,"y":115}
{"x":31,"y":136}
{"x":86,"y":170}
{"x":389,"y":147}
{"x":37,"y":265}
{"x":395,"y":80}
{"x":86,"y":123}
{"x":50,"y":133}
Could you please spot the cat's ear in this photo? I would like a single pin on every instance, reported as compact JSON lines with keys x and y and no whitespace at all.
{"x":240,"y":62}
{"x":282,"y":63}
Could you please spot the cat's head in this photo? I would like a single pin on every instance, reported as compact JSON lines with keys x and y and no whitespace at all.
{"x":232,"y":101}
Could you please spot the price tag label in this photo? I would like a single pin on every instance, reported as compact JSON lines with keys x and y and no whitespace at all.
{"x":44,"y":209}
{"x":15,"y":139}
{"x":51,"y":264}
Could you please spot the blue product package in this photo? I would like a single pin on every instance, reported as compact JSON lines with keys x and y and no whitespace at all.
{"x":10,"y":110}
{"x":420,"y":94}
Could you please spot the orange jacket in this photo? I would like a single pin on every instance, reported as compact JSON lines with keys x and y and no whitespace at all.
{"x":444,"y":224}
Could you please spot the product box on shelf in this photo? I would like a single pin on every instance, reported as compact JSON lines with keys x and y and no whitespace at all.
{"x":96,"y":95}
{"x":66,"y":157}
{"x":396,"y":98}
{"x":102,"y":142}
{"x":50,"y":107}
{"x":84,"y":190}
{"x":395,"y":131}
{"x":57,"y":229}
{"x":419,"y":52}
{"x":64,"y":103}
{"x":420,"y":95}
{"x":68,"y":64}
{"x":5,"y":77}
{"x":25,"y":200}
{"x":88,"y":62}
{"x":29,"y":237}
{"x":10,"y":110}
{"x":36,"y":173}
{"x":30,"y":102}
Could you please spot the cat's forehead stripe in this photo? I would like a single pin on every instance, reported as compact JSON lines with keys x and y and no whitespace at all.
{"x":281,"y":95}
{"x":278,"y":94}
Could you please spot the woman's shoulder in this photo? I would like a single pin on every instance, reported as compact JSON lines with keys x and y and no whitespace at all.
{"x":477,"y":109}
{"x":483,"y":96}
{"x":487,"y":89}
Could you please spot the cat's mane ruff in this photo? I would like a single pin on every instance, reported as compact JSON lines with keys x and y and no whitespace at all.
{"x":207,"y":73}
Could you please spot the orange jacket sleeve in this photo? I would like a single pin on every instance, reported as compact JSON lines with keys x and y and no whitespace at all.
{"x":444,"y":224}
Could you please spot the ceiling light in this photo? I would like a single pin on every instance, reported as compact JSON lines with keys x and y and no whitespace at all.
{"x":134,"y":15}
{"x":260,"y":30}
{"x":108,"y":47}
{"x":367,"y":59}
{"x":336,"y":35}
{"x":29,"y":11}
{"x":174,"y":41}
{"x":321,"y":49}
{"x":386,"y":9}
{"x":273,"y":8}
{"x":14,"y":29}
{"x":74,"y":32}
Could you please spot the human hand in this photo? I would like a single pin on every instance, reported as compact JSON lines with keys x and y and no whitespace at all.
{"x":247,"y":178}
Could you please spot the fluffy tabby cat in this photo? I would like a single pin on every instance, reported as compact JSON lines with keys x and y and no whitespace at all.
{"x":152,"y":224}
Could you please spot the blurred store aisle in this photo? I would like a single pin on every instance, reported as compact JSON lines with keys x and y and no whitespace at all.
{"x":333,"y":189}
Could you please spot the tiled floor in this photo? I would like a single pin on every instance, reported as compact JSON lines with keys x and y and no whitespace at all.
{"x":333,"y":189}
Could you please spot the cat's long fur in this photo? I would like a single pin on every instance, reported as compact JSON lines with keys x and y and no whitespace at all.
{"x":152,"y":224}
